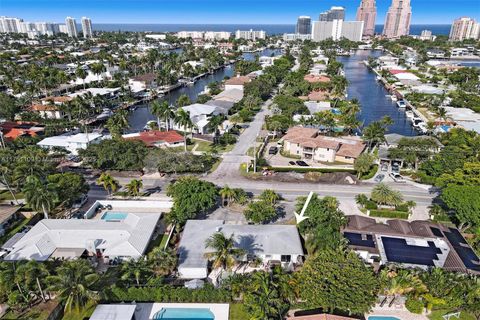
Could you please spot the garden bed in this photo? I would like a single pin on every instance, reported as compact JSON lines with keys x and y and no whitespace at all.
{"x":388,"y":214}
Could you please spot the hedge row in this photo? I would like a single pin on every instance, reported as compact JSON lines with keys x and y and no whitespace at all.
{"x":371,"y":173}
{"x":308,"y":169}
{"x":389,"y":214}
{"x":168,"y":294}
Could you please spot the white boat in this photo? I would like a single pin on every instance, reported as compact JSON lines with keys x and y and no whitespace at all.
{"x":401,"y":104}
{"x":417,"y":122}
{"x":409,"y":114}
{"x":388,"y":96}
{"x":378,"y":78}
{"x":422,"y":127}
{"x":393,"y":97}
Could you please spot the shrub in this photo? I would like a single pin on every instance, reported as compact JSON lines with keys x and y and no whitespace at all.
{"x":402,"y":207}
{"x":313,"y":176}
{"x":168,"y":294}
{"x":389,"y":214}
{"x":371,"y":173}
{"x":414,"y":305}
{"x":307,"y":169}
{"x":371,"y":205}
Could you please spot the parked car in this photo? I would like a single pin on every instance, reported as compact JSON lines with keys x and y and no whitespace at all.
{"x":80,"y":201}
{"x":396,"y":167}
{"x":397,"y":177}
{"x":292,"y":163}
{"x":273,"y":150}
{"x":302,"y":163}
{"x":379,"y":178}
{"x":384,"y":166}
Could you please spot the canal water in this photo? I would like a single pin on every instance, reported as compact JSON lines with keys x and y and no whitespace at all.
{"x":372,"y":95}
{"x":141,"y":115}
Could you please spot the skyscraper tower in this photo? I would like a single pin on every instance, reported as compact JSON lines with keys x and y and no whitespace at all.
{"x":335,"y":13}
{"x":464,"y":28}
{"x":71,"y":27}
{"x":86,"y":27}
{"x":397,"y":22}
{"x":304,"y":25}
{"x":367,"y":12}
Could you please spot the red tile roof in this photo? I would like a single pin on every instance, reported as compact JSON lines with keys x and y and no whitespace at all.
{"x":238,"y":80}
{"x":13,"y":130}
{"x":41,"y":107}
{"x":150,"y":138}
{"x":312,"y":78}
{"x":60,"y":99}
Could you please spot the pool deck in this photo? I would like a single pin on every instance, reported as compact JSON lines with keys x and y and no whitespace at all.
{"x":402,"y":314}
{"x":146,"y":311}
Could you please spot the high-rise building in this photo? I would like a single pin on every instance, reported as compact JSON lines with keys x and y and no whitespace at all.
{"x":217,"y":35}
{"x":367,"y":12}
{"x":304,"y":25}
{"x":62,"y":28}
{"x":87,"y":27}
{"x":10,"y":25}
{"x":71,"y":27}
{"x":335,"y":13}
{"x":250,"y":34}
{"x":337,"y":29}
{"x":464,"y":28}
{"x":397,"y":22}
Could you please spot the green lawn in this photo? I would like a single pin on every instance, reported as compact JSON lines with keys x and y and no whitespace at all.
{"x":6,"y":195}
{"x":237,"y":312}
{"x":203,"y":146}
{"x":438,"y":315}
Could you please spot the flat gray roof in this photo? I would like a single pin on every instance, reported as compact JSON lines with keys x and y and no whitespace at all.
{"x":255,"y":239}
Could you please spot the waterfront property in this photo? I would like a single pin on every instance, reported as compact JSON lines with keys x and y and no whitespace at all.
{"x":271,"y":244}
{"x":393,"y":139}
{"x":416,"y":244}
{"x":200,"y":115}
{"x":307,"y":143}
{"x":237,"y":82}
{"x":11,"y":130}
{"x":155,"y":138}
{"x":159,"y":311}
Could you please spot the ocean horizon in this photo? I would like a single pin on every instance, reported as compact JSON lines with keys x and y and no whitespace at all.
{"x":271,"y":29}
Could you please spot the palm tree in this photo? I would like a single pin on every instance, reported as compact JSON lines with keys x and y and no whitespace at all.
{"x":183,"y":101}
{"x":118,"y":123}
{"x":82,"y":74}
{"x":108,"y":182}
{"x":157,"y":109}
{"x":270,"y":196}
{"x":183,"y":120}
{"x":361,"y":199}
{"x":134,"y":187}
{"x":227,"y":193}
{"x":383,"y":194}
{"x":73,"y":283}
{"x":411,"y":204}
{"x":98,"y":68}
{"x":162,"y":261}
{"x":138,"y":269}
{"x":39,"y":196}
{"x":401,"y":282}
{"x":224,"y":251}
{"x":32,"y":275}
{"x":442,"y":113}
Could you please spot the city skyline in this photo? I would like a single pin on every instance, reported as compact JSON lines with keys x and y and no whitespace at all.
{"x":217,"y":12}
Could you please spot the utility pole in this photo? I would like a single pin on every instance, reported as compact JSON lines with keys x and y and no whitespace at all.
{"x":255,"y":154}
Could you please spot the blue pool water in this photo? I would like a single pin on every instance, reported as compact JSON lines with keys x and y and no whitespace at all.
{"x":184,"y":314}
{"x":382,"y":318}
{"x":114,"y":216}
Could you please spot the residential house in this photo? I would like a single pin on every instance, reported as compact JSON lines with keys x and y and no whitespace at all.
{"x":392,"y":140}
{"x":200,"y":115}
{"x":155,"y":138}
{"x":71,"y":142}
{"x":310,"y":145}
{"x":7,"y":215}
{"x":315,"y":78}
{"x":415,"y":244}
{"x":237,"y":82}
{"x":14,"y":129}
{"x":271,"y":244}
{"x":50,"y":107}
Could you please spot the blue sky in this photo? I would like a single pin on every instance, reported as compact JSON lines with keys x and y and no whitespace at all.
{"x":222,"y":11}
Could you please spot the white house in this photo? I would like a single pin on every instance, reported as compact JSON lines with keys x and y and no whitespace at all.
{"x":200,"y":115}
{"x":272,"y":244}
{"x":100,"y":238}
{"x":71,"y":142}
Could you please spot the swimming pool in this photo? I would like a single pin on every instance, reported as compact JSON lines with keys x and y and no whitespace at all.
{"x":184,"y":314}
{"x":382,"y":318}
{"x":114,"y":216}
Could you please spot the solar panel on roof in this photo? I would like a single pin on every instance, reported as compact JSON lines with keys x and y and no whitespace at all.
{"x":397,"y":250}
{"x":356,"y":239}
{"x":465,"y":252}
{"x":436,"y":232}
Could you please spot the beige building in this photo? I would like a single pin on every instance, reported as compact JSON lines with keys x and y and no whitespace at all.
{"x":308,"y":144}
{"x":367,"y":12}
{"x":464,"y":28}
{"x":397,"y":22}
